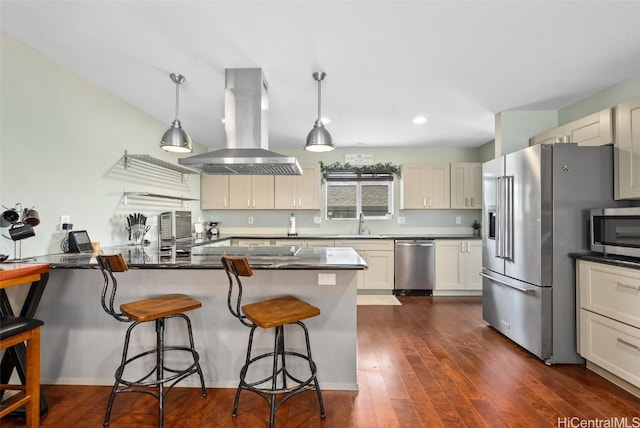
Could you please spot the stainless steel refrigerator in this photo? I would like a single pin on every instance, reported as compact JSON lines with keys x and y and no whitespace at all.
{"x":536,"y":205}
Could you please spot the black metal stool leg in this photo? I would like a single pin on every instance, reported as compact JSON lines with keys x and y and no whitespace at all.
{"x":196,"y":360}
{"x":160,"y":369}
{"x":119,"y":371}
{"x":313,"y":368}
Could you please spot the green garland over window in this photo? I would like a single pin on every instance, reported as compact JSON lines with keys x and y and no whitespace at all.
{"x":379,"y":168}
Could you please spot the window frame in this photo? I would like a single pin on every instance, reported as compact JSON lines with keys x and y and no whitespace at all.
{"x":360,"y":181}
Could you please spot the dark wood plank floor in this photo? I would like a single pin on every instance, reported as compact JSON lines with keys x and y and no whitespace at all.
{"x":430,"y":362}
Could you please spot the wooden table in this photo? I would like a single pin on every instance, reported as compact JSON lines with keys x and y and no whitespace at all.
{"x":14,"y":274}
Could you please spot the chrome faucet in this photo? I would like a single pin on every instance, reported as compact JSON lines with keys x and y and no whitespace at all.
{"x":361,"y":226}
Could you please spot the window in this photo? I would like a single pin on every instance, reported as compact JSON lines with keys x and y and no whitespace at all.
{"x":348,"y":194}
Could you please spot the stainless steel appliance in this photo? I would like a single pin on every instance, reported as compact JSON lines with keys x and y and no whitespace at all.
{"x":536,"y":206}
{"x":246,"y":111}
{"x":414,"y":267}
{"x":175,"y":225}
{"x":616,"y":231}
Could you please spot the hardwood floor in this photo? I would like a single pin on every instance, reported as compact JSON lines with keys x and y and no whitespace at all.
{"x":431,"y":362}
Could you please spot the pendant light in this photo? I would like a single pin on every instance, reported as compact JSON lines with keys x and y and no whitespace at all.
{"x":176,"y":139}
{"x":319,"y":139}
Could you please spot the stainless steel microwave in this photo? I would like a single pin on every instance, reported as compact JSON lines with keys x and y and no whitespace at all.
{"x":616,"y":231}
{"x":175,"y":225}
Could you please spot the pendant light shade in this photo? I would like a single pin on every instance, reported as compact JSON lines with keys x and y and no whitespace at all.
{"x":319,"y":139}
{"x":176,"y":139}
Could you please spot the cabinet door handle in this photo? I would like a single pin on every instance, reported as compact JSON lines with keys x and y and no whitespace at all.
{"x":462,"y":247}
{"x":631,"y":286}
{"x":299,"y":202}
{"x":248,"y":203}
{"x":471,"y":200}
{"x":429,"y":201}
{"x":466,"y":201}
{"x":468,"y":247}
{"x":629,"y":344}
{"x":225,"y":203}
{"x":254,"y":202}
{"x":424,"y":202}
{"x":294,"y":202}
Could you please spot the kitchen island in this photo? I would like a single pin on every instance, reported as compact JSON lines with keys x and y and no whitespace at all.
{"x":81,"y":344}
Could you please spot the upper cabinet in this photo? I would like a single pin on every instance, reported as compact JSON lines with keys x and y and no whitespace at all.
{"x":425,"y":186}
{"x":298,"y":192}
{"x":627,"y":150}
{"x":251,"y":192}
{"x":214,"y":192}
{"x":593,"y":130}
{"x":466,"y":185}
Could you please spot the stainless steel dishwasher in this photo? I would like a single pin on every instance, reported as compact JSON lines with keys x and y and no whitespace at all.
{"x":415,"y":270}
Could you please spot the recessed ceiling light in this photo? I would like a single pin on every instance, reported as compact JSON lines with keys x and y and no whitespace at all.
{"x":419,"y":120}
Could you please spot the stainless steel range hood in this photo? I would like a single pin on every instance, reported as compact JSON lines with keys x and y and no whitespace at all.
{"x":246,"y":109}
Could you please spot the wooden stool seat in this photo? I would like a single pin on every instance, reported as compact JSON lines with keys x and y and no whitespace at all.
{"x":14,"y":331}
{"x":279,"y":311}
{"x":159,"y":307}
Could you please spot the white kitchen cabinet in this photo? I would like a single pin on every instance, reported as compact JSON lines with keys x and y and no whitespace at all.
{"x":298,"y":192}
{"x":626,"y":152}
{"x":246,"y":242}
{"x":214,"y":192}
{"x":593,"y":130}
{"x":549,"y":136}
{"x":609,"y":322}
{"x":378,"y":253}
{"x":304,"y":243}
{"x":251,"y":192}
{"x":425,"y":186}
{"x":466,"y":185}
{"x":458,"y":266}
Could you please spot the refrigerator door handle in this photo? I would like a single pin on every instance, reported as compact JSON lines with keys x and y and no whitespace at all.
{"x":498,"y":220}
{"x":509,"y":211}
{"x":523,"y":290}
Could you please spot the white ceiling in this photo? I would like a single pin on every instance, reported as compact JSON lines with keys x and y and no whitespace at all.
{"x":455,"y":62}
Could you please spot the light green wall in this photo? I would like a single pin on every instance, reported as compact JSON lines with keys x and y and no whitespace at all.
{"x":518,"y":126}
{"x":609,"y":97}
{"x":62,"y":140}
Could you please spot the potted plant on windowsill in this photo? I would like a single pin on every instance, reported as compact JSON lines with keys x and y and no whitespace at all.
{"x":476,"y":228}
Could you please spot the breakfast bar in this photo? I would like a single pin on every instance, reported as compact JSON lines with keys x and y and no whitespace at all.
{"x":81,"y":344}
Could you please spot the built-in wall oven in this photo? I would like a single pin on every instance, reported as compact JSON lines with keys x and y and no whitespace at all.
{"x":616,"y":231}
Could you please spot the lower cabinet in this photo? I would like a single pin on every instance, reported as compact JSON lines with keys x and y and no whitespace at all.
{"x":251,"y":242}
{"x":458,"y":266}
{"x":304,"y":243}
{"x":609,"y":322}
{"x":378,"y":253}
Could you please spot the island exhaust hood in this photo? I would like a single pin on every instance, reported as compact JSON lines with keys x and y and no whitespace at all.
{"x":246,"y":108}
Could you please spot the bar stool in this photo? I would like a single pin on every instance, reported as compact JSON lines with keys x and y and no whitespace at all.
{"x":156,"y":309}
{"x":15,"y":331}
{"x":272,"y":313}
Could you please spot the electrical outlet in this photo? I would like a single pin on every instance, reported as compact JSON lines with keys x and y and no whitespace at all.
{"x":458,"y":220}
{"x":326,"y":279}
{"x":317,"y":220}
{"x":401,"y":220}
{"x":64,"y":219}
{"x":250,"y":220}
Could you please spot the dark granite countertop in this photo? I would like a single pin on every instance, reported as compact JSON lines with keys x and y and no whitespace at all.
{"x":206,"y":255}
{"x":622,"y":261}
